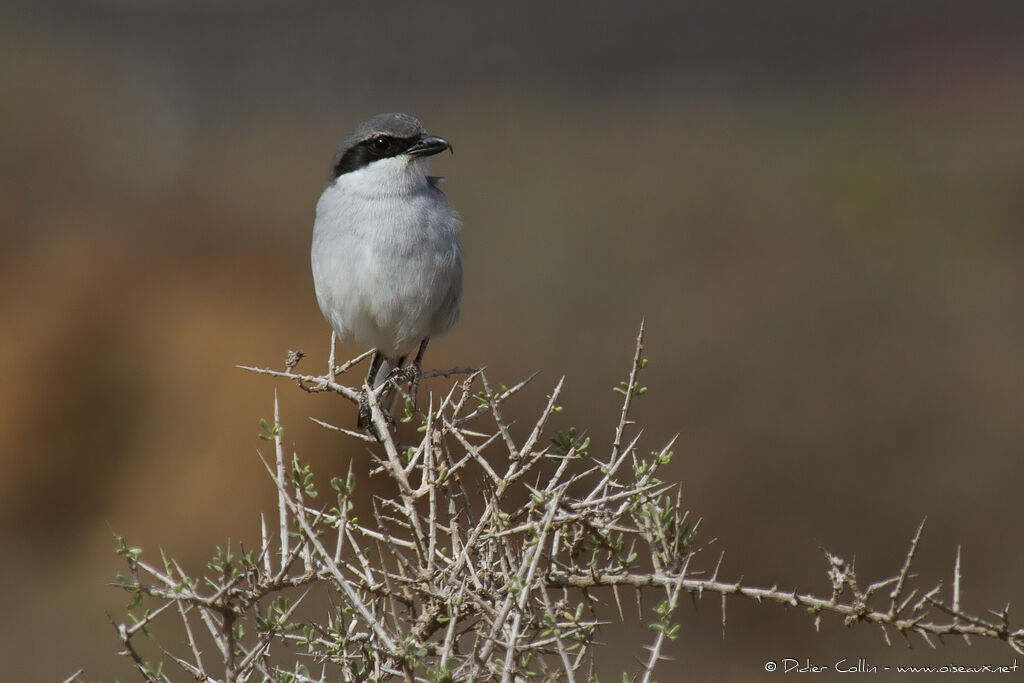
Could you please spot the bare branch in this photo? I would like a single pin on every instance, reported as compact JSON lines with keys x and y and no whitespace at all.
{"x":480,"y":554}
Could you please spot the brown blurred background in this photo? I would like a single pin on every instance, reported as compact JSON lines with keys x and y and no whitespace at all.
{"x":817,"y":207}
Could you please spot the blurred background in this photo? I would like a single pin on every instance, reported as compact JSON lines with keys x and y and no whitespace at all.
{"x":818,"y":208}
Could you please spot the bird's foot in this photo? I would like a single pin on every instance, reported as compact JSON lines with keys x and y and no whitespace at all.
{"x":365,"y":419}
{"x":409,"y":374}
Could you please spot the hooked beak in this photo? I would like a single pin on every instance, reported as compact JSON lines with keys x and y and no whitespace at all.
{"x":429,"y":145}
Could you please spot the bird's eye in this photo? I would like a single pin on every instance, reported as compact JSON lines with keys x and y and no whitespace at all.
{"x":381,"y":144}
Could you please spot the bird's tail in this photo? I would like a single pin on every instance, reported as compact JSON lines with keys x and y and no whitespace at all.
{"x":386,"y":366}
{"x":388,"y":396}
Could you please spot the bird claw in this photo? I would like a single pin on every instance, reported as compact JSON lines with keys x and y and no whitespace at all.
{"x":409,"y":374}
{"x":365,"y":419}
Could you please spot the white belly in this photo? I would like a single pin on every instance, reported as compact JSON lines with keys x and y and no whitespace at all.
{"x":387,"y":270}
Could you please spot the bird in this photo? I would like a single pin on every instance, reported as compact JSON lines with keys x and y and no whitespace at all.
{"x":386,"y":255}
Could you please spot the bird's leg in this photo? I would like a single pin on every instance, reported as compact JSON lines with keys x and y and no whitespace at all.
{"x":411,"y":373}
{"x":417,"y":370}
{"x":393,"y":380}
{"x":365,"y":414}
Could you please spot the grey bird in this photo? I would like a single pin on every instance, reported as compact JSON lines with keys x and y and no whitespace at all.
{"x":386,"y":255}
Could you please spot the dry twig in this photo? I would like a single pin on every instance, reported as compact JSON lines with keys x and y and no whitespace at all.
{"x":480,"y":564}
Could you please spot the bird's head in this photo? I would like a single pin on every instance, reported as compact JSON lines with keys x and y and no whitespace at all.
{"x":390,"y":151}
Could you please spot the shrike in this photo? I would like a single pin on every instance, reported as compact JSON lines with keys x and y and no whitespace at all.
{"x":386,"y":256}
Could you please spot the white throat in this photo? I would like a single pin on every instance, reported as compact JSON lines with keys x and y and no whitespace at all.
{"x":390,"y":177}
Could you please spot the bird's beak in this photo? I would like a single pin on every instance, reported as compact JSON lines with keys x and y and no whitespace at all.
{"x":428,"y":145}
